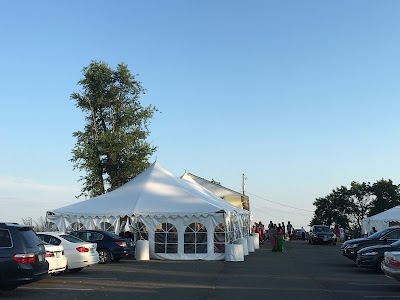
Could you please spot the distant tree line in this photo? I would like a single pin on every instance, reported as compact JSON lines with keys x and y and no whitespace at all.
{"x":347,"y":207}
{"x":38,"y":225}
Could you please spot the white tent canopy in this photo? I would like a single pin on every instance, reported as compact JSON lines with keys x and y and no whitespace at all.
{"x":382,"y":220}
{"x":154,"y":201}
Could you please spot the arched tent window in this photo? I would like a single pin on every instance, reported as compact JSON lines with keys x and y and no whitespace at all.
{"x":230,"y":236}
{"x":195,"y":238}
{"x":166,"y":238}
{"x":106,"y":226}
{"x":75,"y":226}
{"x":219,"y":238}
{"x":142,"y":231}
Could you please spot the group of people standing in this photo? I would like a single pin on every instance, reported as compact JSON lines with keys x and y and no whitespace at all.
{"x":276,"y":234}
{"x":259,"y":228}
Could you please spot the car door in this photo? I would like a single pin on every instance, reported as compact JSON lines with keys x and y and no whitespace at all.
{"x":83,"y":235}
{"x":392,"y":236}
{"x":98,"y":238}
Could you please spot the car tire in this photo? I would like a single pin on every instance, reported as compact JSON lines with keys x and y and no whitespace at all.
{"x":8,"y":288}
{"x":76,"y":270}
{"x":309,"y":241}
{"x":378,"y":266}
{"x":104,"y":256}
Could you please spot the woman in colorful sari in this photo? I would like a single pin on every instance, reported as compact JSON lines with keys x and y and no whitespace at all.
{"x":280,"y":240}
{"x":274,"y":242}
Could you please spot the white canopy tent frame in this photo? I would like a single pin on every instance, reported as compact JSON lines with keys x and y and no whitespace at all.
{"x":157,"y":197}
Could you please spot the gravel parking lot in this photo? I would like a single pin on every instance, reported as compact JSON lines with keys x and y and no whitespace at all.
{"x":303,"y":271}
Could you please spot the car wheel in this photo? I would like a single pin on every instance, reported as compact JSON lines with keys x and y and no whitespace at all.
{"x":104,"y":256}
{"x":378,"y":266}
{"x":76,"y":270}
{"x":8,"y":287}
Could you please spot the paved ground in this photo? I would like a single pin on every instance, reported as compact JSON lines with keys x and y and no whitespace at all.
{"x":303,"y":271}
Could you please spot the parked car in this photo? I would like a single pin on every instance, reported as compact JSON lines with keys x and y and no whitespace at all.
{"x":371,"y":257}
{"x":56,"y":258}
{"x":22,"y":256}
{"x":384,"y":237}
{"x":79,"y":254}
{"x":110,"y":246}
{"x":321,"y":234}
{"x":391,"y":265}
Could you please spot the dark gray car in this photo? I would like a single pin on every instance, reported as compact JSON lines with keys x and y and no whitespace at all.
{"x":22,"y":256}
{"x":321,"y":234}
{"x":386,"y":236}
{"x":371,"y":257}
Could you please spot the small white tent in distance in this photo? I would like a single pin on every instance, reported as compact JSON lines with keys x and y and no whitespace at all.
{"x":385,"y":219}
{"x":180,"y":219}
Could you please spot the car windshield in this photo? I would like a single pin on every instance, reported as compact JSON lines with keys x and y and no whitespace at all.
{"x":71,"y":238}
{"x":323,"y":229}
{"x":379,"y":234}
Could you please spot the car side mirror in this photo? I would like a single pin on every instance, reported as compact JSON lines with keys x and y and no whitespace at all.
{"x":386,"y":239}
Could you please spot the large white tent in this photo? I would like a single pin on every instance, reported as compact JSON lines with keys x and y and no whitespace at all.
{"x":179,"y":218}
{"x":382,"y":220}
{"x":237,"y":199}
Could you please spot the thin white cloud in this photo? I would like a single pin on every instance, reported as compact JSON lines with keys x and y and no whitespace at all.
{"x":10,"y":183}
{"x":23,"y":197}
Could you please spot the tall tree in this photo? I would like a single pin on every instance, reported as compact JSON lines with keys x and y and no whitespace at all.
{"x":387,"y":195}
{"x":333,"y":209}
{"x":112,"y":148}
{"x":360,"y":197}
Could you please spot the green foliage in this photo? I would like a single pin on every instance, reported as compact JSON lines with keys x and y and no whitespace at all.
{"x":387,"y":195}
{"x":332,"y":209}
{"x":112,"y":148}
{"x":360,"y":201}
{"x":348,"y":207}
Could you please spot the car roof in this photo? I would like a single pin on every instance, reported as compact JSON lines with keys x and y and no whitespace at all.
{"x":51,"y":232}
{"x":10,"y":224}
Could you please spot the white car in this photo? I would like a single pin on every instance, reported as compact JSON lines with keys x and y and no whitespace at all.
{"x":391,"y":265}
{"x":56,"y":258}
{"x":79,"y":253}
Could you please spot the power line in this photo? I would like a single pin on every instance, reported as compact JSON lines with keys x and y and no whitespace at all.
{"x":255,"y":206}
{"x":280,"y":203}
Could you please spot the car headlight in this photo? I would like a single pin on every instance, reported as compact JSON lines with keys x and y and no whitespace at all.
{"x":352,"y":246}
{"x":369,"y":253}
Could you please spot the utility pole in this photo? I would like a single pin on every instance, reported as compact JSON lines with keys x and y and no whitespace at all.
{"x":243,"y":183}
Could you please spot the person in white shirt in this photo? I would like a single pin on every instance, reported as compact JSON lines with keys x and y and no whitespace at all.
{"x":303,"y":233}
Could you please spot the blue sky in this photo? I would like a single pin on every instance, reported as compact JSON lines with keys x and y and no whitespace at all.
{"x":300,"y":96}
